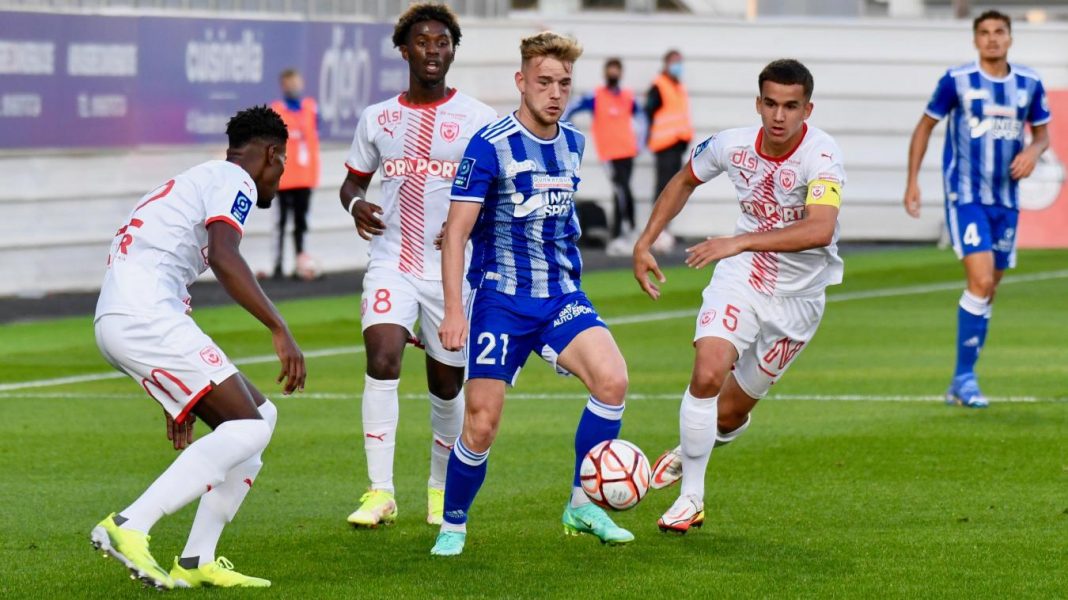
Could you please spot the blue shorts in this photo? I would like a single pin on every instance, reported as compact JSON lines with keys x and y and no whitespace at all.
{"x":976,"y":227}
{"x":506,"y":329}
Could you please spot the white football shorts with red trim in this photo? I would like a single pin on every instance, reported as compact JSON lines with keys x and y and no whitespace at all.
{"x":768,"y":332}
{"x":168,"y":355}
{"x":396,"y":298}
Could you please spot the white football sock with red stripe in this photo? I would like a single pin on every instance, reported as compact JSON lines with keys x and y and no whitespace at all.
{"x":446,"y":422}
{"x":218,"y":507}
{"x":200,"y":467}
{"x":381,"y":408}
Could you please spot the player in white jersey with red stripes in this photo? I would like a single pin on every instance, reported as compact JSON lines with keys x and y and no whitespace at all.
{"x":415,"y":141}
{"x":766,"y":297}
{"x":175,"y":233}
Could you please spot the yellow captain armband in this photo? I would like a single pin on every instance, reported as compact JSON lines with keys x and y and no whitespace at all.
{"x":825,"y":192}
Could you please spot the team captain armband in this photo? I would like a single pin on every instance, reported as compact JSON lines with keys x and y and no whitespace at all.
{"x":825,"y":192}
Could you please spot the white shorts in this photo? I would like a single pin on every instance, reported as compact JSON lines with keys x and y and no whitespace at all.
{"x":174,"y":361}
{"x":396,"y":298}
{"x":768,"y":331}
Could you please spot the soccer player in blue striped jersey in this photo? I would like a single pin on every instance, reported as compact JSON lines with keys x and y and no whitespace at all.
{"x":987,"y":104}
{"x":513,"y":197}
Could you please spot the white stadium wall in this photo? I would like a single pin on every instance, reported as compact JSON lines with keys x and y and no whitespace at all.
{"x":873,"y":78}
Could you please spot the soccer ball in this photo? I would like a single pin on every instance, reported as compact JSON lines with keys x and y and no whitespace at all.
{"x":615,"y":474}
{"x":308,"y":267}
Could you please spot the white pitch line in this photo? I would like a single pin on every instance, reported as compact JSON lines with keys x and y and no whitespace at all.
{"x":248,"y":360}
{"x":571,"y":396}
{"x":623,"y":320}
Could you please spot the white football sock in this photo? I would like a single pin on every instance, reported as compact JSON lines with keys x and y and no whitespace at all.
{"x":722,"y":439}
{"x":579,"y":497}
{"x":218,"y":507}
{"x":380,"y":410}
{"x":446,"y":422}
{"x":697,"y":430}
{"x":200,"y":467}
{"x":458,"y":528}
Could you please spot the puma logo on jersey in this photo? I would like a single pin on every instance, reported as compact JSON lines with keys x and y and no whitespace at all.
{"x":388,"y":130}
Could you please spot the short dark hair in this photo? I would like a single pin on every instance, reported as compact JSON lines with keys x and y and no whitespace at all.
{"x":670,"y":53}
{"x":426,"y":11}
{"x":787,"y":71}
{"x":256,"y":123}
{"x":992,"y":14}
{"x":614,"y":62}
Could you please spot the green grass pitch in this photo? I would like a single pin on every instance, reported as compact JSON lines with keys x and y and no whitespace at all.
{"x":854,"y":481}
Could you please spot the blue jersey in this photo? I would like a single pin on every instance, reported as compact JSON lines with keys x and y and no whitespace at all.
{"x":526,"y":237}
{"x":986,"y":130}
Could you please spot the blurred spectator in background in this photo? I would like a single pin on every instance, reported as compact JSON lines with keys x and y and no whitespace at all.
{"x":614,"y":110}
{"x":667,"y":107}
{"x":301,"y":116}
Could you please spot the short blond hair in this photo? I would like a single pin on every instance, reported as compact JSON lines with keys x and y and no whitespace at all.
{"x":547,"y":43}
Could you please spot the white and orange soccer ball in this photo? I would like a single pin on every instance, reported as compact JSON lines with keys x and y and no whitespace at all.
{"x":308,"y":267}
{"x":615,"y":474}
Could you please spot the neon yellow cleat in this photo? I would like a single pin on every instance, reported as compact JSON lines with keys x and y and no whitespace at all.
{"x":435,"y":506}
{"x":377,"y":507}
{"x":131,"y":549}
{"x":220,"y":573}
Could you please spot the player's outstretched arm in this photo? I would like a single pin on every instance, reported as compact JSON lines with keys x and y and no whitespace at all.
{"x":917,"y":149}
{"x":364,"y":214}
{"x":668,"y":205}
{"x":816,"y":230}
{"x":1024,"y":162}
{"x":237,"y":279}
{"x":458,"y":226}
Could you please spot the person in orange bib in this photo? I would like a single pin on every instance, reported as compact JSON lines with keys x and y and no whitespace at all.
{"x":667,"y":107}
{"x":614,"y":110}
{"x":301,"y":116}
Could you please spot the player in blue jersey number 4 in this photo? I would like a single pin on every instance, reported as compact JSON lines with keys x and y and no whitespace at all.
{"x":513,"y":197}
{"x":986,"y":103}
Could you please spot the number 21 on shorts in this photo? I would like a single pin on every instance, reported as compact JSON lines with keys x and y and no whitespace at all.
{"x":489,"y":344}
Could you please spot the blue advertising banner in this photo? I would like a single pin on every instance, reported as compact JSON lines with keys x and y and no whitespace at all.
{"x":71,"y":81}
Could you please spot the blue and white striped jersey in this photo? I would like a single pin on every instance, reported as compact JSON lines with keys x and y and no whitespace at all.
{"x":525,"y":242}
{"x":986,"y":130}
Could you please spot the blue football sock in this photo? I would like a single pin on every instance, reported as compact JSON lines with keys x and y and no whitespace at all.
{"x":971,"y":331}
{"x":463,"y":478}
{"x":986,"y":325}
{"x":599,"y":422}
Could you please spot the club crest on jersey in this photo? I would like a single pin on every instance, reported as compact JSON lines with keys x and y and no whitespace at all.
{"x":241,"y":207}
{"x":463,"y":173}
{"x":450,"y":130}
{"x":787,"y":179}
{"x":211,"y":356}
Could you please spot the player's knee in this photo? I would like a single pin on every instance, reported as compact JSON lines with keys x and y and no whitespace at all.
{"x":707,"y":381}
{"x":982,"y":286}
{"x":383,"y":366}
{"x":611,"y":388}
{"x":731,"y":417}
{"x":446,"y":390}
{"x":479,"y":433}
